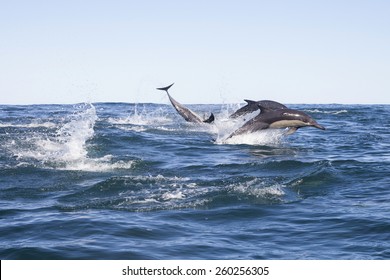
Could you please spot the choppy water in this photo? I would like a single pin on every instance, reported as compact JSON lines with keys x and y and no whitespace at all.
{"x":134,"y":181}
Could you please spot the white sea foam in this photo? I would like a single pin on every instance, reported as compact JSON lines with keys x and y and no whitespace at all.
{"x":223,"y":127}
{"x":132,"y":128}
{"x":29,"y":125}
{"x":159,"y":192}
{"x":274,"y":190}
{"x":143,"y":118}
{"x":260,"y":189}
{"x":263,"y":137}
{"x":330,"y":112}
{"x":68,"y":148}
{"x":69,"y":144}
{"x":140,"y":120}
{"x":98,"y":164}
{"x":173,"y":195}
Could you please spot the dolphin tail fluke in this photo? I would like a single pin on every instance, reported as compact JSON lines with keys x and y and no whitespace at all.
{"x":210,"y":119}
{"x":165,"y":88}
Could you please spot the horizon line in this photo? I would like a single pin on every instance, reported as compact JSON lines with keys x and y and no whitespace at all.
{"x":224,"y":103}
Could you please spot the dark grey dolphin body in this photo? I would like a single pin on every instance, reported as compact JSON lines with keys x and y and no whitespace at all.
{"x":186,"y":113}
{"x":252,"y":106}
{"x":280,"y":118}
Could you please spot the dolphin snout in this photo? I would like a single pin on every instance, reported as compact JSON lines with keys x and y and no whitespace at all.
{"x":318,"y":126}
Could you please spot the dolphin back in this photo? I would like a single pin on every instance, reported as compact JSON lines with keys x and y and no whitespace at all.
{"x":183,"y":111}
{"x":252,"y":106}
{"x":269,"y":105}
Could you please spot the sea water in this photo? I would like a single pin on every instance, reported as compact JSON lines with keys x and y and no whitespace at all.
{"x":135,"y":181}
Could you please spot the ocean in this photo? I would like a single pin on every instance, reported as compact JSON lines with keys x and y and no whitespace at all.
{"x":135,"y":181}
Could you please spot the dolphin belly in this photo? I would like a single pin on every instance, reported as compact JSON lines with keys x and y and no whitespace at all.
{"x":186,"y":113}
{"x":287,"y":123}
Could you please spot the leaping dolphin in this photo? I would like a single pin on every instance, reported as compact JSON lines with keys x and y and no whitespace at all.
{"x":280,"y":118}
{"x":252,"y":106}
{"x":186,"y":113}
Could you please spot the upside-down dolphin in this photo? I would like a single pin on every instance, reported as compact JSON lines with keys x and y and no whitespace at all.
{"x":252,"y":106}
{"x":186,"y":113}
{"x":280,"y":118}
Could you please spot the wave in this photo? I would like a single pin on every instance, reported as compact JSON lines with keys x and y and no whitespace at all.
{"x":329,"y":112}
{"x":154,"y":193}
{"x":29,"y":125}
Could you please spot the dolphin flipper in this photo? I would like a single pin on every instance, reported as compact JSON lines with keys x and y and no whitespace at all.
{"x":291,"y":130}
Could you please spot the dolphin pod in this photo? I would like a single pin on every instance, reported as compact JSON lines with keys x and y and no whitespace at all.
{"x":272,"y":115}
{"x":279,"y":118}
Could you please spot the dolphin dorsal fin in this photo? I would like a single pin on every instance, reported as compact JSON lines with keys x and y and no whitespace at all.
{"x":269,"y":105}
{"x":250,"y":101}
{"x":166,"y":88}
{"x":264,"y":109}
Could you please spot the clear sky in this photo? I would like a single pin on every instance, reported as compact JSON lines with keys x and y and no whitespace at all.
{"x":215,"y":51}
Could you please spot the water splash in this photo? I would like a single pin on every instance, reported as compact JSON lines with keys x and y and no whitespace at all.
{"x":164,"y":119}
{"x":271,"y":137}
{"x":67,"y":148}
{"x":143,"y":118}
{"x":71,"y":138}
{"x":223,"y":128}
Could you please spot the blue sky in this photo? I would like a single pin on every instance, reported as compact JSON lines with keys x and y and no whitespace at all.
{"x":214,"y":51}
